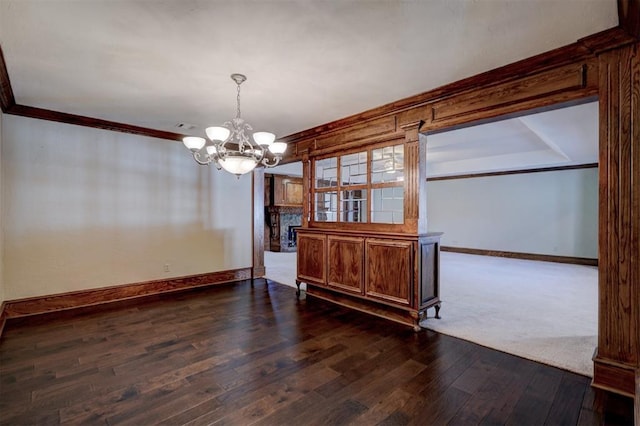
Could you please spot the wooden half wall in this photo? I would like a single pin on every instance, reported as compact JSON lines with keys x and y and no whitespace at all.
{"x":604,"y":66}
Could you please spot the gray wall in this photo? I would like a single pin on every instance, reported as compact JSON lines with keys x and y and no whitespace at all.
{"x":554,"y":213}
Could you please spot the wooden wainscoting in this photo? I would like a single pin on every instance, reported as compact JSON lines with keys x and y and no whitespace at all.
{"x":92,"y":297}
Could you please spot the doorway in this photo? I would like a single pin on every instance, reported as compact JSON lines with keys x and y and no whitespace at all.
{"x":512,"y":196}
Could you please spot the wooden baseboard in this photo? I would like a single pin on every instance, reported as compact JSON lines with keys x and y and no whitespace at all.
{"x":3,"y":317}
{"x":79,"y":299}
{"x":525,"y":256}
{"x":259,"y":271}
{"x":614,"y":376}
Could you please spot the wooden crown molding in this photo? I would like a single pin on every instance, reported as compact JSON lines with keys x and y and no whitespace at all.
{"x":7,"y":100}
{"x":583,"y":48}
{"x":97,"y":123}
{"x":9,"y":106}
{"x":514,"y":172}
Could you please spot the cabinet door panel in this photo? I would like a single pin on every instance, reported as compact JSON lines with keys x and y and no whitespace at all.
{"x":345,"y":263}
{"x":311,"y":258}
{"x":389,"y":270}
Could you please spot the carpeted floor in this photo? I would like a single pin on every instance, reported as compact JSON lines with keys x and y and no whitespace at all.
{"x":544,"y":311}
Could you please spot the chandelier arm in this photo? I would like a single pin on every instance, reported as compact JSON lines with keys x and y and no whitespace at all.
{"x":266,"y":163}
{"x":198,"y":157}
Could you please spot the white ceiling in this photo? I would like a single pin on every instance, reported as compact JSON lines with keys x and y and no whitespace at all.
{"x":158,"y":63}
{"x":561,"y":137}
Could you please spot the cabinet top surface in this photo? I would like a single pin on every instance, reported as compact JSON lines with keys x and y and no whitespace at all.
{"x":365,"y":233}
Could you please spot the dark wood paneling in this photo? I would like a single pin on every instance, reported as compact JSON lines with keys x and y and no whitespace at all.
{"x":568,"y":78}
{"x":389,"y":270}
{"x":526,"y":256}
{"x":76,"y":299}
{"x":415,"y":194}
{"x":346,"y":259}
{"x":376,"y":127}
{"x":514,"y":172}
{"x":619,"y":212}
{"x":312,"y":251}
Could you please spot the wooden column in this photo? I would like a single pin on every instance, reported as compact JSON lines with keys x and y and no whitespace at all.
{"x":257,"y":187}
{"x":306,"y":190}
{"x":617,"y":358}
{"x":415,"y":180}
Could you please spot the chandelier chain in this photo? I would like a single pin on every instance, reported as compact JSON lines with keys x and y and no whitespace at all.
{"x":238,"y":101}
{"x":233,"y":147}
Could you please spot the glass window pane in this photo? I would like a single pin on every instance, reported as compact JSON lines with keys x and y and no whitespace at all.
{"x":353,"y":169}
{"x":387,"y":164}
{"x":387,"y":205}
{"x":326,"y":206}
{"x":354,"y":206}
{"x":327,"y":172}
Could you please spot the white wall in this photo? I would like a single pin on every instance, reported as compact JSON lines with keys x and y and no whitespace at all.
{"x":86,"y":208}
{"x":554,"y":213}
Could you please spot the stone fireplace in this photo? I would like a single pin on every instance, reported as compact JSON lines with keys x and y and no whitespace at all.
{"x":282,"y":221}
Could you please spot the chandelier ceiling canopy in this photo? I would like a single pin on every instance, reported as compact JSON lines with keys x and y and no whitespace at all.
{"x":232,"y":147}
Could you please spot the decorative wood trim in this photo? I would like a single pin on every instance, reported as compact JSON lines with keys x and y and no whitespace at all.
{"x":399,"y":314}
{"x":7,"y":100}
{"x":77,"y":299}
{"x":610,"y":39}
{"x":566,"y":78}
{"x":549,"y":60}
{"x":525,"y":256}
{"x":613,"y":376}
{"x":514,"y":172}
{"x":619,"y":213}
{"x":79,"y":120}
{"x":257,"y":204}
{"x":412,"y":184}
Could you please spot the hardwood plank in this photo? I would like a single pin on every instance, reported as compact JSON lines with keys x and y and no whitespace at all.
{"x":255,"y":354}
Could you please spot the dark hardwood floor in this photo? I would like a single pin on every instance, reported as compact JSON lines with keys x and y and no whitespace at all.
{"x":243,"y":354}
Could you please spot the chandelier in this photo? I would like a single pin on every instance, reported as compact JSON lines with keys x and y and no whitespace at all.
{"x":231,"y":148}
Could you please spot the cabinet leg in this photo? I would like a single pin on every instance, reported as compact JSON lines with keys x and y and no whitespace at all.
{"x":298,"y":290}
{"x":437,"y":311}
{"x":421,"y":316}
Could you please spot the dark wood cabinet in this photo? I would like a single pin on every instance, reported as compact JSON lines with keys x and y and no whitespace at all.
{"x":363,"y":241}
{"x":394,"y":276}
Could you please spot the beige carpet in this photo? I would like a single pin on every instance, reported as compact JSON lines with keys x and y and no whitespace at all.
{"x":542,"y":311}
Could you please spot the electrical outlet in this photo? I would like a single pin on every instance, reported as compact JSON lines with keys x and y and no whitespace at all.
{"x":166,"y":267}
